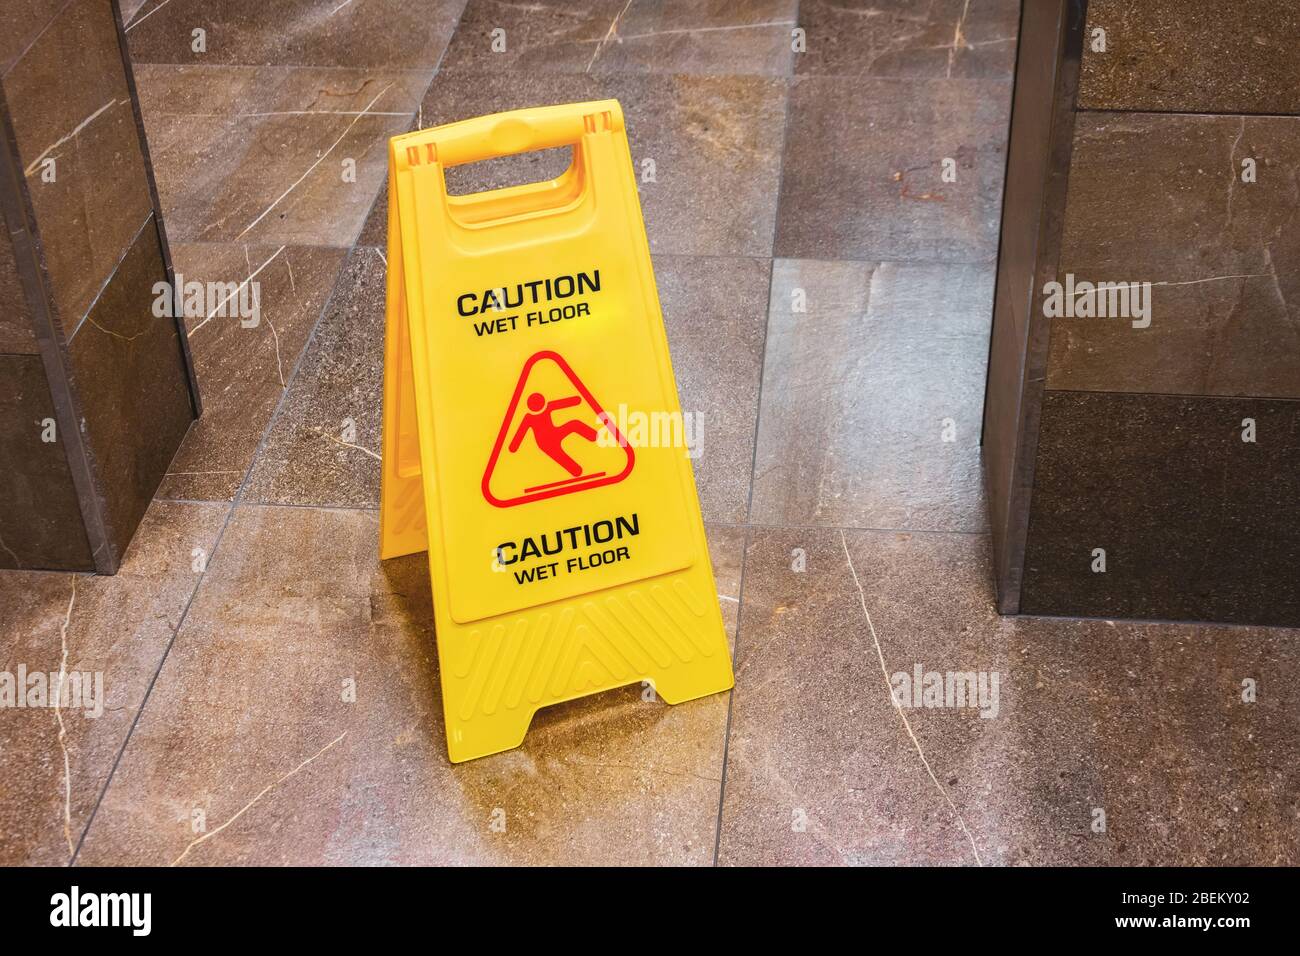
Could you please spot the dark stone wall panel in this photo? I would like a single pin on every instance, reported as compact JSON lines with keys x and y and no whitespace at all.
{"x":20,"y":23}
{"x":1194,"y":56}
{"x":1160,"y":199}
{"x":16,"y":335}
{"x":1196,"y":523}
{"x":128,"y":371}
{"x":69,"y":102}
{"x":40,"y":522}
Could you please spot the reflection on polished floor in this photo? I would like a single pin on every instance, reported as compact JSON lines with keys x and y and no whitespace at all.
{"x":271,"y":690}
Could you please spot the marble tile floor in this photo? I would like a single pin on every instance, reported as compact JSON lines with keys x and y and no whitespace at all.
{"x":270,"y":688}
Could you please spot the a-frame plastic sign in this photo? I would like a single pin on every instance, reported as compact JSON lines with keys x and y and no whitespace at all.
{"x":523,"y":327}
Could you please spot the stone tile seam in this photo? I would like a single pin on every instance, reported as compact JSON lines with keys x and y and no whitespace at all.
{"x":787,"y":84}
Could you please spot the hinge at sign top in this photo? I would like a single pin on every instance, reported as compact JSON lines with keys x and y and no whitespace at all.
{"x":597,"y":122}
{"x":413,"y":154}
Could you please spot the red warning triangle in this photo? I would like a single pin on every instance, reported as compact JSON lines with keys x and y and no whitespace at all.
{"x":555,"y":439}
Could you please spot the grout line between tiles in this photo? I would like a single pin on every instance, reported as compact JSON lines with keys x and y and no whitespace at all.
{"x":235,"y":503}
{"x":471,"y":71}
{"x":753,"y":459}
{"x":661,"y":254}
{"x":148,"y":692}
{"x":731,"y":699}
{"x":764,"y":526}
{"x":709,"y":522}
{"x":195,"y":65}
{"x":310,"y":506}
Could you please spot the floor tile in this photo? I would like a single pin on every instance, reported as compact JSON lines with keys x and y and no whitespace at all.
{"x":116,"y":627}
{"x":715,"y":311}
{"x":660,"y":36}
{"x":374,"y":231}
{"x":727,"y":552}
{"x":357,"y":33}
{"x":323,"y":447}
{"x":872,"y":397}
{"x":248,"y":726}
{"x":953,"y":39}
{"x":820,"y":768}
{"x":215,"y":92}
{"x":275,"y":154}
{"x":865,"y":162}
{"x":1144,"y":722}
{"x":1149,"y":722}
{"x":710,"y":145}
{"x":243,"y":362}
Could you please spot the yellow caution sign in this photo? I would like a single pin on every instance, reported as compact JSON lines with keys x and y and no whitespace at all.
{"x":523,"y":333}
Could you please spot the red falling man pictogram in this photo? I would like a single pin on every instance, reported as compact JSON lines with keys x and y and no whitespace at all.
{"x":551,"y":442}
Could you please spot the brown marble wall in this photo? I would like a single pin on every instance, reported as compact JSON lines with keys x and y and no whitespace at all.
{"x":40,"y":522}
{"x":98,"y":392}
{"x":1159,"y":198}
{"x":16,"y":334}
{"x":1164,"y":462}
{"x":1193,"y":56}
{"x":1195,"y":523}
